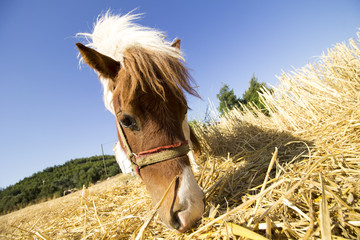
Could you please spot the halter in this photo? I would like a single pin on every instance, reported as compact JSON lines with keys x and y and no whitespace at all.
{"x":152,"y":156}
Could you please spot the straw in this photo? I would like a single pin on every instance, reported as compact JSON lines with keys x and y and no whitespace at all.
{"x":140,"y":235}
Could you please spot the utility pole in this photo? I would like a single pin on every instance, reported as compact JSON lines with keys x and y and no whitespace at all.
{"x":102,"y":150}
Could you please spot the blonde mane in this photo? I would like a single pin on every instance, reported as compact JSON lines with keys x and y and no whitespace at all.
{"x":145,"y":55}
{"x":154,"y":72}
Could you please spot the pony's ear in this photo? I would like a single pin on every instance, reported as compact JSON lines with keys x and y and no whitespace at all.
{"x":176,"y":44}
{"x":104,"y":65}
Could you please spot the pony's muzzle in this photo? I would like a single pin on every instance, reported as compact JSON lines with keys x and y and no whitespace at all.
{"x":184,"y":204}
{"x":191,"y":205}
{"x":185,"y":219}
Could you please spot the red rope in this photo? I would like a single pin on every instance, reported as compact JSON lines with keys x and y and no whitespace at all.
{"x":162,"y":148}
{"x":145,"y":153}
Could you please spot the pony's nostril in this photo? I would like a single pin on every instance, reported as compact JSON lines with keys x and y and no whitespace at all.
{"x":175,"y":221}
{"x":185,"y":221}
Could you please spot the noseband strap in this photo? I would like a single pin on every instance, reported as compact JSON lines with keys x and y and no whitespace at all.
{"x":152,"y":156}
{"x":161,"y":154}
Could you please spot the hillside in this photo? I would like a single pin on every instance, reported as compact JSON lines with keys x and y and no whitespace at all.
{"x":291,"y":174}
{"x":53,"y":181}
{"x":57,"y":212}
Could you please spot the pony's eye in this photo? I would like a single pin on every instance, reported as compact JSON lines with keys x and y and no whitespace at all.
{"x":128,"y":121}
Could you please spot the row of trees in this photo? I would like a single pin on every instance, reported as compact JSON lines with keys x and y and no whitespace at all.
{"x":228,"y":100}
{"x":53,"y":181}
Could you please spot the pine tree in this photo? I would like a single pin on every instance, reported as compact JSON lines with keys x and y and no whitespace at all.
{"x":227,"y":99}
{"x":251,"y":95}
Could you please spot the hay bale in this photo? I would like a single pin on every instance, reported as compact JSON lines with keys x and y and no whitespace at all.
{"x":309,"y":191}
{"x":315,"y":123}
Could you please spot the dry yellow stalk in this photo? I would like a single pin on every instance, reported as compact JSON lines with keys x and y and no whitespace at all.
{"x":141,"y":233}
{"x":325,"y":222}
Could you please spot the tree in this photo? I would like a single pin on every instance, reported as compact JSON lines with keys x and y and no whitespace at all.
{"x":227,"y":99}
{"x":251,"y":95}
{"x":53,"y":181}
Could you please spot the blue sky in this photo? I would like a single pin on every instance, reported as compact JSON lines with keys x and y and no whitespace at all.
{"x":52,"y":111}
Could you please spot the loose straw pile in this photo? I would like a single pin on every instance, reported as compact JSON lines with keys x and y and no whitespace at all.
{"x":293,"y":175}
{"x":315,"y":125}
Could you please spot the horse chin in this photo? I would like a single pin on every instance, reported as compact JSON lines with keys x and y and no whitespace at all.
{"x":184,"y":204}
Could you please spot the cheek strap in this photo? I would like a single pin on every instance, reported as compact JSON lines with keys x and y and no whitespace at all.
{"x":151,"y":156}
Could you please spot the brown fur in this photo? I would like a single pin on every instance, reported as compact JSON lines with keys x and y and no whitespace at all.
{"x":105,"y":65}
{"x":150,"y":87}
{"x":195,"y":142}
{"x":154,"y":73}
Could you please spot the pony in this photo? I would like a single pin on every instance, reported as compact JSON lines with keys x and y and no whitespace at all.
{"x":144,"y":80}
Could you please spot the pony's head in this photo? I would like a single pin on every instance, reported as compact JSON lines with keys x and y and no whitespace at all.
{"x":144,"y":80}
